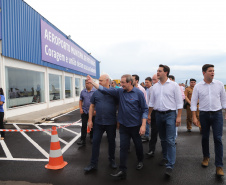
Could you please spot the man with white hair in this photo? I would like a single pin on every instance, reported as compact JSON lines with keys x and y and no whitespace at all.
{"x":105,"y":120}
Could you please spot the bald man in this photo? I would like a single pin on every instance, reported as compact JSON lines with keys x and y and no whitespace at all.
{"x":105,"y":121}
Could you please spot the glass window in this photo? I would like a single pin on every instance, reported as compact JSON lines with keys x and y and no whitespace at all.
{"x":55,"y":89}
{"x":84,"y":83}
{"x":77,"y":87}
{"x":68,"y":87}
{"x":24,"y":87}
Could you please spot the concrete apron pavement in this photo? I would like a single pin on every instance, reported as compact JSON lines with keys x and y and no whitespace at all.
{"x":43,"y":115}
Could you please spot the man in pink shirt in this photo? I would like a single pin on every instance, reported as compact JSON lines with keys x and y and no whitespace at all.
{"x":137,"y":85}
{"x":172,"y":78}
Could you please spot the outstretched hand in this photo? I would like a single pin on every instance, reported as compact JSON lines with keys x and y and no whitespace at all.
{"x":89,"y":79}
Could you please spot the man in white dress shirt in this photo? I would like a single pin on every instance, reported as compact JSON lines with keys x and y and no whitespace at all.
{"x":165,"y":100}
{"x":212,"y":99}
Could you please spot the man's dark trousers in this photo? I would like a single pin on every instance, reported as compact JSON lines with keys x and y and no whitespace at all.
{"x":126,"y":133}
{"x":98,"y":131}
{"x":214,"y":119}
{"x":85,"y":118}
{"x":154,"y":133}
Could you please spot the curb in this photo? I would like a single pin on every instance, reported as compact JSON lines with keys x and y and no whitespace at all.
{"x":43,"y":118}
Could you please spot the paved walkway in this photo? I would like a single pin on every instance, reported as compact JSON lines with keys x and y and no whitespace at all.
{"x":43,"y":115}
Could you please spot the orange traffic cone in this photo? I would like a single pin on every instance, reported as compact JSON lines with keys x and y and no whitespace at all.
{"x":88,"y":130}
{"x":56,"y":160}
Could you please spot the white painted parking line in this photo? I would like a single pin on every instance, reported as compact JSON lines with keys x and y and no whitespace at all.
{"x":57,"y":124}
{"x":61,"y":140}
{"x":70,"y":131}
{"x":20,"y":123}
{"x":71,"y":143}
{"x":62,"y":115}
{"x":33,"y":142}
{"x":22,"y":159}
{"x":6,"y":150}
{"x":9,"y":156}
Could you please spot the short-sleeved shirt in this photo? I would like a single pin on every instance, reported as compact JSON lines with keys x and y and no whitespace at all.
{"x":85,"y":98}
{"x":105,"y":106}
{"x":188,"y":92}
{"x":2,"y":100}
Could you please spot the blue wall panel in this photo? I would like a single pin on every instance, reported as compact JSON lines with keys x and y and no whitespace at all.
{"x":21,"y":35}
{"x":0,"y":21}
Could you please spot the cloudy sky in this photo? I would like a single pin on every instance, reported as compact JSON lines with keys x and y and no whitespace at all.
{"x":135,"y":36}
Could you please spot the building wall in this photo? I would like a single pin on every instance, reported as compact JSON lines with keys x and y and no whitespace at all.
{"x":21,"y":35}
{"x":20,"y":48}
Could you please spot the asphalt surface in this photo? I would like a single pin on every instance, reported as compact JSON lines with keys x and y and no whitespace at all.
{"x":187,"y":171}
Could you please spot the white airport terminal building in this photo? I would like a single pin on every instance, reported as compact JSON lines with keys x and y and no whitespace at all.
{"x":40,"y":66}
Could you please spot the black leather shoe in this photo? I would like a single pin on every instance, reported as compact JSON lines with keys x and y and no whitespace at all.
{"x":140,"y":165}
{"x":81,"y":143}
{"x":90,"y":168}
{"x":163,"y":162}
{"x":120,"y":175}
{"x":150,"y":154}
{"x":113,"y":165}
{"x":168,"y":172}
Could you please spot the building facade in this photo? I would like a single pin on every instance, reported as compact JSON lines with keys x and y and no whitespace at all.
{"x":40,"y":66}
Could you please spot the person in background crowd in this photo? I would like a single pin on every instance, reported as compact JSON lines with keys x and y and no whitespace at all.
{"x":84,"y":104}
{"x":25,"y":93}
{"x":172,"y":78}
{"x":166,"y":99}
{"x":2,"y":101}
{"x":143,"y":85}
{"x":38,"y":90}
{"x":105,"y":120}
{"x":113,"y":84}
{"x":154,"y":129}
{"x":148,"y":84}
{"x":183,"y":86}
{"x":137,"y":85}
{"x":212,"y":98}
{"x":188,"y":94}
{"x":132,"y":116}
